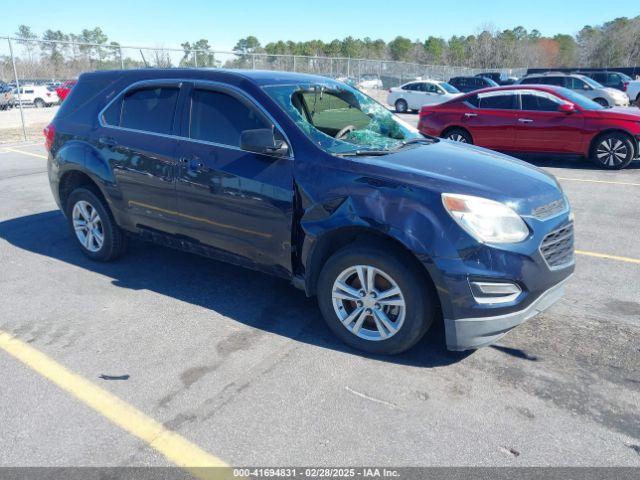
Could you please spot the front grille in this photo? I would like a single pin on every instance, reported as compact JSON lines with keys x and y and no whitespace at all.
{"x":557,"y":247}
{"x":550,"y":209}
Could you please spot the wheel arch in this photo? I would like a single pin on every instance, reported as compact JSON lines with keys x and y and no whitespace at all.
{"x":332,"y":241}
{"x":601,"y":134}
{"x":74,"y":178}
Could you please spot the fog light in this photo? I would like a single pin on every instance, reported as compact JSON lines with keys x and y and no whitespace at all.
{"x":494,"y":292}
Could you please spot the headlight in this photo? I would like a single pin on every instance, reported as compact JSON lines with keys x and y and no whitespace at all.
{"x":485,"y":220}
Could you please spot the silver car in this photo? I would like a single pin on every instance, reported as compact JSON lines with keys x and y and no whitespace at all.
{"x":607,"y":97}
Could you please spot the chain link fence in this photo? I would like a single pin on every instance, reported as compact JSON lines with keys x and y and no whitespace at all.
{"x":29,"y":66}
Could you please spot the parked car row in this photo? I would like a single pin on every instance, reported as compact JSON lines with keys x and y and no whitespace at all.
{"x":6,"y":96}
{"x":587,"y":86}
{"x":537,"y":118}
{"x":36,"y":95}
{"x":620,"y":91}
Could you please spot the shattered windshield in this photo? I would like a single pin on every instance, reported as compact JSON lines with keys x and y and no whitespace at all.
{"x":342,"y":120}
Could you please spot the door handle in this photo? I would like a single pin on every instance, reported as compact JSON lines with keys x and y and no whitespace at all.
{"x":525,"y":120}
{"x":107,"y":141}
{"x":470,"y":115}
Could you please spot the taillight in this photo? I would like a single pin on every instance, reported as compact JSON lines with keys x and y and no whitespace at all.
{"x":624,"y":86}
{"x":49,"y":132}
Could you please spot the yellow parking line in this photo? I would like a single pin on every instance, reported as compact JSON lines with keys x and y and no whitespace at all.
{"x":15,"y":150}
{"x":610,"y":182}
{"x":173,"y":446}
{"x":608,"y":257}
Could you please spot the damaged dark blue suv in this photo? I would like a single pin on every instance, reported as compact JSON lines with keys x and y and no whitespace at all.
{"x":306,"y":178}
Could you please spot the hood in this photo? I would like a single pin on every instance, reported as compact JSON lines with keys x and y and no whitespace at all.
{"x":453,"y":167}
{"x":614,"y":92}
{"x":617,"y":113}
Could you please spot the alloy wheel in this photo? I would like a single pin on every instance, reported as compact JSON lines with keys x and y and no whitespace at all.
{"x":456,"y":137}
{"x":368,"y":302}
{"x":611,"y":152}
{"x":88,"y":226}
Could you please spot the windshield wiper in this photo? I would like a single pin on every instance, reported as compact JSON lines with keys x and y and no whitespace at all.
{"x":424,"y":140}
{"x":364,"y":153}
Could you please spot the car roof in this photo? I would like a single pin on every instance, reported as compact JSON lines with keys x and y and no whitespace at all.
{"x":554,"y":74}
{"x":543,"y":88}
{"x":258,"y":77}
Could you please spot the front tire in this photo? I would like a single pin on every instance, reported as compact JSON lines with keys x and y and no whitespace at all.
{"x":93,"y":226}
{"x":601,"y":101}
{"x":375,"y":299}
{"x":401,"y":106}
{"x":39,"y":103}
{"x":613,"y":151}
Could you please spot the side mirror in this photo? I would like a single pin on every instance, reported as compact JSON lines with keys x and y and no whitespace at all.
{"x":567,"y":108}
{"x":263,"y":140}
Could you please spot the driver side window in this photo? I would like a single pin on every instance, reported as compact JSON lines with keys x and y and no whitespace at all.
{"x":539,"y":103}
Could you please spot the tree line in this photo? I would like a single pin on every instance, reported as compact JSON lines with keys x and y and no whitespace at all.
{"x":615,"y":43}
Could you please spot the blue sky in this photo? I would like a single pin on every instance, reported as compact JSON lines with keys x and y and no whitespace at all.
{"x":167,"y":24}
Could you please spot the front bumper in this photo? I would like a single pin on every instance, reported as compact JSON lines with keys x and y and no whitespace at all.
{"x":471,"y":333}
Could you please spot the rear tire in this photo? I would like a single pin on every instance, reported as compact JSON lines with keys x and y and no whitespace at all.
{"x":372,"y":318}
{"x":39,"y":103}
{"x":93,"y":226}
{"x":613,"y":151}
{"x":458,"y":135}
{"x":401,"y":106}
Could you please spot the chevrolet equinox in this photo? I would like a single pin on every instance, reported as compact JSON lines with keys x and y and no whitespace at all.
{"x":308,"y":179}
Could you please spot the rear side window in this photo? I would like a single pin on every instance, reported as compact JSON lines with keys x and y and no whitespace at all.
{"x":149,"y":109}
{"x":497,"y":102}
{"x":559,"y":81}
{"x":220,"y":118}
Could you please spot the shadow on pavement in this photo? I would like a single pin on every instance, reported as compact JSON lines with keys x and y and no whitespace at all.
{"x":255,"y":299}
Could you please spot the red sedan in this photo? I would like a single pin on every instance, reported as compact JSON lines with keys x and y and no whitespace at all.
{"x":537,"y":119}
{"x":64,"y":89}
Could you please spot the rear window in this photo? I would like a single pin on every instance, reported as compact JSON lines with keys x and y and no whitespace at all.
{"x":149,"y":109}
{"x":497,"y":101}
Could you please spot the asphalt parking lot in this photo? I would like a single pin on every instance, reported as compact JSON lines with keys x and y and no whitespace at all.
{"x":243,"y":369}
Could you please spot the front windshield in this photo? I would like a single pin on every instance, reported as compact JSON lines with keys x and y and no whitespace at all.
{"x":579,"y":99}
{"x":340,"y":119}
{"x":592,"y":83}
{"x":449,"y":88}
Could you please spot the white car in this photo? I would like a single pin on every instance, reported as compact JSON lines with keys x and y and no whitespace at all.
{"x":36,"y":95}
{"x":370,"y":82}
{"x":633,"y":91}
{"x":414,"y":95}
